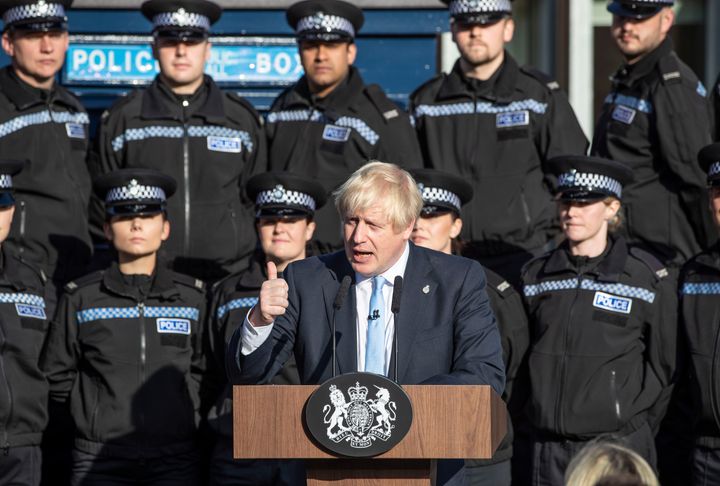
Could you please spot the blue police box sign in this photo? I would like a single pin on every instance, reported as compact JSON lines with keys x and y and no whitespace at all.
{"x":128,"y":60}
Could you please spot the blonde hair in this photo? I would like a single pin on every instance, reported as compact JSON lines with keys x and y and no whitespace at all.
{"x":616,"y":222}
{"x":597,"y":462}
{"x":381,"y":183}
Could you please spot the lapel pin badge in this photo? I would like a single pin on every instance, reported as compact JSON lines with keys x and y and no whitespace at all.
{"x":426,"y":289}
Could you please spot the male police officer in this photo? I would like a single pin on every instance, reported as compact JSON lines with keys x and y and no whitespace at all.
{"x":656,"y":119}
{"x":44,"y":124}
{"x":495,"y":123}
{"x":209,"y":141}
{"x":23,"y":325}
{"x":330,"y":123}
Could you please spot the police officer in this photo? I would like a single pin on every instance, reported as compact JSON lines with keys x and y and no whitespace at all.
{"x":330,"y":123}
{"x":285,"y":205}
{"x":125,"y":348}
{"x":699,"y":289}
{"x":211,"y":142}
{"x":655,"y":119}
{"x":23,"y":325}
{"x":437,"y":228}
{"x":42,"y":123}
{"x":603,"y":327}
{"x":495,"y":124}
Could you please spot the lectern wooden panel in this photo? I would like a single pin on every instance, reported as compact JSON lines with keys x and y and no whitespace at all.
{"x":449,"y":422}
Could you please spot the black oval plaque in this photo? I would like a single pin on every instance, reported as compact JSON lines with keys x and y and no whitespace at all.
{"x":358,"y":414}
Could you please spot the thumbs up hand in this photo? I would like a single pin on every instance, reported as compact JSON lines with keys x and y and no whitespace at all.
{"x":273,"y":300}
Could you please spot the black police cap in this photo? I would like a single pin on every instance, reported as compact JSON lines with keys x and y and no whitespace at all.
{"x":709,"y":158}
{"x":285,"y":194}
{"x":479,"y":11}
{"x":638,"y":9}
{"x":585,"y":178}
{"x":8,"y":168}
{"x":441,"y":192}
{"x":325,"y":20}
{"x":134,"y":191}
{"x":181,"y":19}
{"x":35,"y":15}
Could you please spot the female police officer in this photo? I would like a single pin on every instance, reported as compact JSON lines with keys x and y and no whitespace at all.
{"x":602,"y":323}
{"x":437,"y":228}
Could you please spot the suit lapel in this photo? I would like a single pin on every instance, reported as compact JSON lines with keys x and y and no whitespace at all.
{"x":345,"y":325}
{"x":418,"y":290}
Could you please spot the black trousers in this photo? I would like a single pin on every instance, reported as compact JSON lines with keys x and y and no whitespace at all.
{"x":705,"y":466}
{"x":546,"y":460}
{"x":104,"y":470}
{"x":226,"y":471}
{"x":21,"y":466}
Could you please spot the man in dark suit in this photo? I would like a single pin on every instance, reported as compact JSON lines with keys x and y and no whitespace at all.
{"x":446,"y":329}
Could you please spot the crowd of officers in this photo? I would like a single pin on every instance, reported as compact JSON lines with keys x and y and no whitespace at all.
{"x":117,"y":300}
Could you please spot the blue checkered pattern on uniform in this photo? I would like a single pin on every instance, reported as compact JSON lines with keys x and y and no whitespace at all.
{"x":41,"y":118}
{"x":701,"y":288}
{"x":701,"y":89}
{"x":549,"y":286}
{"x":432,"y":195}
{"x":181,"y":18}
{"x":356,"y":124}
{"x":574,"y":283}
{"x":39,"y":10}
{"x":714,"y":169}
{"x":581,"y":180}
{"x":281,"y":195}
{"x":6,"y":181}
{"x":106,"y":313}
{"x":638,"y":104}
{"x":479,"y":6}
{"x":20,"y":298}
{"x":485,"y":107}
{"x":244,"y":302}
{"x":158,"y":131}
{"x":321,"y":22}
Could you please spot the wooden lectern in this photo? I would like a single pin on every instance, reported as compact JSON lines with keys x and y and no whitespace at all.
{"x":449,"y":422}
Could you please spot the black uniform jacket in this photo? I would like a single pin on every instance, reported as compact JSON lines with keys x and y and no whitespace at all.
{"x":700,"y":310}
{"x":656,"y":119}
{"x":127,"y":351}
{"x":603,"y":341}
{"x":211,"y":147}
{"x":49,"y":131}
{"x":232,"y":299}
{"x":497,"y":134}
{"x":328,"y":139}
{"x":23,"y":326}
{"x":512,"y":322}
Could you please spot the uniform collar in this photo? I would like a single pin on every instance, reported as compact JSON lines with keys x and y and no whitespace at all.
{"x":159,"y":102}
{"x":23,"y":96}
{"x":254,"y":276}
{"x":162,"y":285}
{"x":501,"y":84}
{"x":628,"y":74}
{"x":710,"y":258}
{"x":340,"y":98}
{"x":609,"y":267}
{"x":11,"y":275}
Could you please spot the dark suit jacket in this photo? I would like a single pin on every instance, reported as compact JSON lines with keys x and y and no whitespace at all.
{"x":446,"y":329}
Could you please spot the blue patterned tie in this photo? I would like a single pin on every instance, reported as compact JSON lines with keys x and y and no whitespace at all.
{"x":375,"y":345}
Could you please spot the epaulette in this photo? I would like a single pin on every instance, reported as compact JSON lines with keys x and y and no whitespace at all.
{"x":189,"y":281}
{"x":549,"y":82}
{"x":497,"y":282}
{"x":84,"y":280}
{"x":655,"y":265}
{"x":246,"y":104}
{"x":124,"y":99}
{"x":669,"y":70}
{"x":388,"y":109}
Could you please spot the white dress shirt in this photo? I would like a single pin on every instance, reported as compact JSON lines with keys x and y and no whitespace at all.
{"x":253,"y":337}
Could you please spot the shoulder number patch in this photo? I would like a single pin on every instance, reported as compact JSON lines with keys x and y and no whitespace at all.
{"x":612,"y":303}
{"x":173,"y":326}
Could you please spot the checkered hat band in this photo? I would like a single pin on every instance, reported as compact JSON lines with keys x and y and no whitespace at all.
{"x":280,"y":195}
{"x":459,"y":7}
{"x":134,"y":193}
{"x":435,"y":195}
{"x":590,"y":182}
{"x":181,"y":19}
{"x":325,"y":23}
{"x":5,"y":181}
{"x":714,"y":169}
{"x":40,"y":10}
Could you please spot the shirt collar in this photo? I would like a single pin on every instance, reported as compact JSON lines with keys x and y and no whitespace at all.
{"x":397,"y":270}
